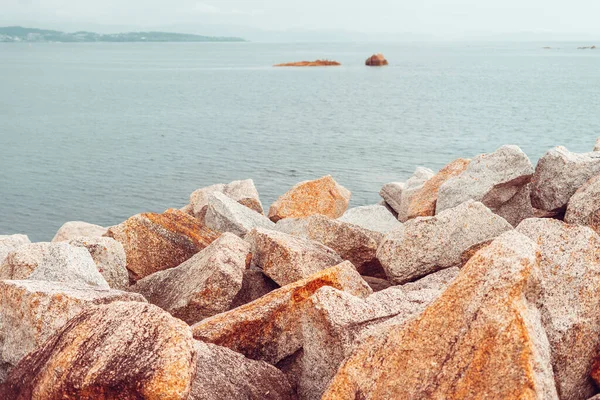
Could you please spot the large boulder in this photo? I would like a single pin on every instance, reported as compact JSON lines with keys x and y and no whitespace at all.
{"x":202,"y":286}
{"x":109,"y":256}
{"x":269,"y":328}
{"x":124,"y":350}
{"x":424,"y":201}
{"x":351,"y":242}
{"x":286,"y":258}
{"x":391,"y":193}
{"x":558,"y":175}
{"x":73,"y":229}
{"x":10,"y":242}
{"x":482,"y":338}
{"x":321,"y":196}
{"x":584,"y":206}
{"x":429,"y":244}
{"x":244,"y":192}
{"x":155,"y":242}
{"x":56,"y":262}
{"x":223,"y":374}
{"x":335,"y":322}
{"x":570,"y":302}
{"x":411,"y":190}
{"x":226,"y":215}
{"x":493,"y":179}
{"x":375,"y":218}
{"x":32,"y":311}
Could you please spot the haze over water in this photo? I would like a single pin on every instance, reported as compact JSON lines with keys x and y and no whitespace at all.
{"x":99,"y":132}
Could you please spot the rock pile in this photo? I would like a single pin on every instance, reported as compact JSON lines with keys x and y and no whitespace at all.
{"x":451,"y":288}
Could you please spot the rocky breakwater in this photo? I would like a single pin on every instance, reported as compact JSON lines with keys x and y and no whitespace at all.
{"x":316,"y":63}
{"x":451,"y":288}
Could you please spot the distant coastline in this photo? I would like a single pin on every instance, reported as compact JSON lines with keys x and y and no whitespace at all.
{"x":31,"y":35}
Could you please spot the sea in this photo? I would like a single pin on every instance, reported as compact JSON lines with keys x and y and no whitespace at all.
{"x":98,"y":132}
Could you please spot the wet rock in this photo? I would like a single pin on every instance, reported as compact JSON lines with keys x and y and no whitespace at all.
{"x":255,"y":285}
{"x":336,"y":322}
{"x":124,"y":350}
{"x":570,"y":270}
{"x":155,"y":242}
{"x":244,"y":192}
{"x":584,"y":205}
{"x":110,"y":259}
{"x":411,"y":190}
{"x":493,"y":344}
{"x":226,"y":375}
{"x":73,"y":229}
{"x":226,"y":215}
{"x":391,"y":193}
{"x":321,"y":196}
{"x":202,"y":286}
{"x":376,"y":60}
{"x":351,"y":242}
{"x":269,"y":328}
{"x":429,"y":244}
{"x":56,"y":262}
{"x":32,"y":311}
{"x":493,"y":179}
{"x":10,"y":242}
{"x":423,"y":202}
{"x":286,"y":258}
{"x":375,"y":218}
{"x":558,"y":175}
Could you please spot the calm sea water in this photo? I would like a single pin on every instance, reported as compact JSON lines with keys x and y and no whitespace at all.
{"x":99,"y":132}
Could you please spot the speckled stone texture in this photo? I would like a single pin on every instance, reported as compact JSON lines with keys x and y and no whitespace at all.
{"x":226,"y":215}
{"x":351,"y":242}
{"x":493,"y":179}
{"x":73,"y":229}
{"x":321,"y":196}
{"x":375,"y":218}
{"x":570,"y":302}
{"x":56,"y":262}
{"x":31,"y":311}
{"x":558,"y":175}
{"x":124,"y":350}
{"x":10,"y":242}
{"x":269,"y":328}
{"x":244,"y":192}
{"x":482,"y":338}
{"x":411,"y":189}
{"x":155,"y":242}
{"x":423,"y":202}
{"x":109,"y":256}
{"x":429,"y":244}
{"x":226,"y":375}
{"x":202,"y":286}
{"x":255,"y":285}
{"x":584,"y":205}
{"x":335,"y":322}
{"x":286,"y":258}
{"x":391,"y":193}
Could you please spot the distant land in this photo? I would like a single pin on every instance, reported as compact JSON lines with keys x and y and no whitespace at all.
{"x":20,"y":34}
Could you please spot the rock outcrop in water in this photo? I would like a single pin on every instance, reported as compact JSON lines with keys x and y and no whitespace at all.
{"x":376,"y":60}
{"x":317,"y":63}
{"x":449,"y":289}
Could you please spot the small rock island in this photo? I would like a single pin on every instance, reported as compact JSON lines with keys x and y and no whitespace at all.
{"x":317,"y":63}
{"x":376,"y":60}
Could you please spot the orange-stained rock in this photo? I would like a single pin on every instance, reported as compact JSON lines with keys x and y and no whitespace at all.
{"x":422,"y":204}
{"x":481,"y":339}
{"x":269,"y":328}
{"x":376,"y":60}
{"x":32,"y":311}
{"x":316,"y":63}
{"x":322,"y":196}
{"x":124,"y":351}
{"x":155,"y":242}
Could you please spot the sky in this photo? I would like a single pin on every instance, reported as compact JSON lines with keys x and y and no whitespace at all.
{"x":439,"y":18}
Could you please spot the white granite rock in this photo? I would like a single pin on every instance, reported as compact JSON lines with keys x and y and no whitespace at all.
{"x":109,"y":256}
{"x":73,"y":229}
{"x":375,"y":218}
{"x":11,"y":242}
{"x":226,"y":215}
{"x":244,"y":192}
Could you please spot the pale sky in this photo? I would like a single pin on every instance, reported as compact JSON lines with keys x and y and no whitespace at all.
{"x":438,"y":17}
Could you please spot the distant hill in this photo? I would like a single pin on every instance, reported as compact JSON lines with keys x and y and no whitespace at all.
{"x":20,"y":34}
